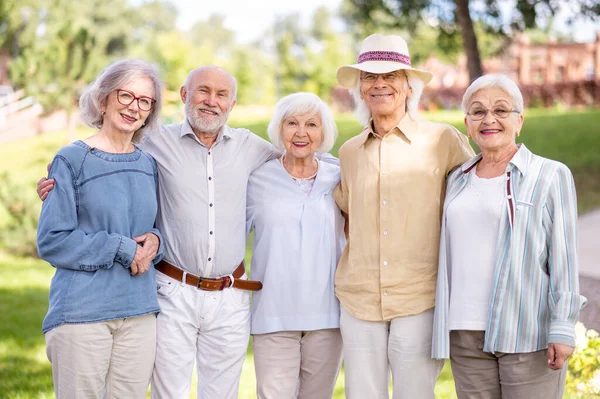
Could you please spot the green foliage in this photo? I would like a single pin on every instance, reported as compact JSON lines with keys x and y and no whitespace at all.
{"x":18,"y":234}
{"x":583,"y":377}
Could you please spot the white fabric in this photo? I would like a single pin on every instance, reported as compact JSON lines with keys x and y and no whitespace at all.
{"x":211,"y":327}
{"x":110,"y":359}
{"x":403,"y":344}
{"x":297,"y":244}
{"x":472,"y":222}
{"x":202,"y":195}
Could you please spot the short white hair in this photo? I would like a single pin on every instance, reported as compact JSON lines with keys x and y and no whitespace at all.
{"x":363,"y":113}
{"x":299,"y":104}
{"x":499,"y":81}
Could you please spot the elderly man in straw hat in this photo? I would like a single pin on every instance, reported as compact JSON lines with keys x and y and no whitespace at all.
{"x":392,"y":190}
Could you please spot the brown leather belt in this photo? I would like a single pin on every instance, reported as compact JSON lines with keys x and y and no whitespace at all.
{"x":211,"y":284}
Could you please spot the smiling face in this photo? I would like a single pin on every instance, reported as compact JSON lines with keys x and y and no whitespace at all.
{"x":208,"y":99}
{"x":302,"y":135}
{"x":385,"y":94}
{"x":493,"y":133}
{"x":127,"y":118}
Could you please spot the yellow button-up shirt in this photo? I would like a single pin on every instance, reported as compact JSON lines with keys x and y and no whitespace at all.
{"x":392,"y":189}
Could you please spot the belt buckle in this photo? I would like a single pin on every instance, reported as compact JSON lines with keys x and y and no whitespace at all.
{"x":214,"y":284}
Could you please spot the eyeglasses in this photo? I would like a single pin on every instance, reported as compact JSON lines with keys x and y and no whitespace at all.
{"x":388,"y":77}
{"x":498,"y":113}
{"x":125,"y":97}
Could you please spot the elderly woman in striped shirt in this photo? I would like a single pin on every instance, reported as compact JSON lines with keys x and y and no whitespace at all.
{"x":507,"y":292}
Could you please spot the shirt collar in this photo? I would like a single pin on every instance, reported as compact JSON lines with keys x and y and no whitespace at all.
{"x":186,"y":129}
{"x":406,"y":126}
{"x":520,"y":160}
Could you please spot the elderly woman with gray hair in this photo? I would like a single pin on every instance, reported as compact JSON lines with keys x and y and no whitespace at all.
{"x":97,"y":229}
{"x":299,"y":237}
{"x":507,"y":291}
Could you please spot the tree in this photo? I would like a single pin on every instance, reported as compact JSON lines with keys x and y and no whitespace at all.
{"x":458,"y":16}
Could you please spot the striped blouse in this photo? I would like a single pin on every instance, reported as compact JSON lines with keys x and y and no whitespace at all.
{"x":535,"y":289}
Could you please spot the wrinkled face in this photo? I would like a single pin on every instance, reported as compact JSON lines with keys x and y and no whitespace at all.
{"x":128,"y":118}
{"x":385,"y":94}
{"x":208,"y":99}
{"x":499,"y":124}
{"x":302,"y":135}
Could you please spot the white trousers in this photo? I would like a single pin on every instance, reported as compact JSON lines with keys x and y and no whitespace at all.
{"x":402,"y":344}
{"x":297,"y":364}
{"x":108,"y":359}
{"x":211,"y":328}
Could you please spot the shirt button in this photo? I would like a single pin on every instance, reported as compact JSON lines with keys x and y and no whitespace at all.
{"x":385,"y":232}
{"x":210,"y":204}
{"x":509,"y":196}
{"x":385,"y":293}
{"x":385,"y":262}
{"x":211,"y":232}
{"x":209,"y":178}
{"x":384,"y":172}
{"x":209,"y":153}
{"x":384,"y":202}
{"x":209,"y":259}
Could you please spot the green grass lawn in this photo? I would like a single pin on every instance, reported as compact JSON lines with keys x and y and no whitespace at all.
{"x":571,"y":137}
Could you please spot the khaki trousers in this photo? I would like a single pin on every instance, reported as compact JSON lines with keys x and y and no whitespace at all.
{"x":302,"y":364}
{"x":482,"y":375}
{"x":107,"y":359}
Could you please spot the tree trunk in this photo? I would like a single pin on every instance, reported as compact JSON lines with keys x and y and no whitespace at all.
{"x":469,"y":39}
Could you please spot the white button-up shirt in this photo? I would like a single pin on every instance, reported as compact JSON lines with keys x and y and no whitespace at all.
{"x":202,"y":195}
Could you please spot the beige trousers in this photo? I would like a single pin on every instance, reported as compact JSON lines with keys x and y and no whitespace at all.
{"x":482,"y":375}
{"x":108,"y":359}
{"x":402,"y":345}
{"x":302,"y":364}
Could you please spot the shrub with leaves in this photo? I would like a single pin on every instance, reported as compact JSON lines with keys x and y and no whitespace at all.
{"x":18,"y":233}
{"x":583,"y":378}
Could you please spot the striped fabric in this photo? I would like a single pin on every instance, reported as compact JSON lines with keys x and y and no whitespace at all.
{"x":535,"y":293}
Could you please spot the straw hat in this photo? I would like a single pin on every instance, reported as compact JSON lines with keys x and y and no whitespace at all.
{"x":380,"y":54}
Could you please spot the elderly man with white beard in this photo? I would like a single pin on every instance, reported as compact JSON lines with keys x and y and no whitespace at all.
{"x":203,"y":168}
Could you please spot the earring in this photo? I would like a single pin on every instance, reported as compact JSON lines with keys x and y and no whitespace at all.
{"x":143,"y":124}
{"x":103,"y":113}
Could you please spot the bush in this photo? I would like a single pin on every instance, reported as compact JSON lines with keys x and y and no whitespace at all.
{"x":18,"y":234}
{"x":583,"y":378}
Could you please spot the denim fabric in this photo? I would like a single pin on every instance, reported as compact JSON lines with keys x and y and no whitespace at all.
{"x":99,"y":203}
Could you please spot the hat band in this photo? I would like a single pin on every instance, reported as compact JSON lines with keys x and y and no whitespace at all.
{"x":384,"y":56}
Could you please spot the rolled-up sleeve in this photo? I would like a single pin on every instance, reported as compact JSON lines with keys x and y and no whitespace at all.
{"x":560,"y":224}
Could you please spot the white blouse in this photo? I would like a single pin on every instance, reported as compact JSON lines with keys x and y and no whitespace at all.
{"x":298,"y":241}
{"x":472,"y":222}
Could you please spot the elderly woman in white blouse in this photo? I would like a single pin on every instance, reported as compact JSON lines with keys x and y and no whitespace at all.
{"x":508,"y":292}
{"x":299,"y":237}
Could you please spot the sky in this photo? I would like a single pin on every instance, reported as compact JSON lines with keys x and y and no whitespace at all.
{"x":250,"y":18}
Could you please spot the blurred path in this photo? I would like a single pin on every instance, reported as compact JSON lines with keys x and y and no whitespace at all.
{"x":589,"y":267}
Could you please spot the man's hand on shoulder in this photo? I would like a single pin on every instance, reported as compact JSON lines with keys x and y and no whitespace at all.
{"x":44,"y":186}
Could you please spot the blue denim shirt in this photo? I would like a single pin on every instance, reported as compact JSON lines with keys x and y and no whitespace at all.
{"x":100,"y":201}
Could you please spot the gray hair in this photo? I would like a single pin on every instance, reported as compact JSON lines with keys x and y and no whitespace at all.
{"x":499,"y":81}
{"x":363,"y":113}
{"x":298,"y":104}
{"x":113,"y":77}
{"x":186,"y":84}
